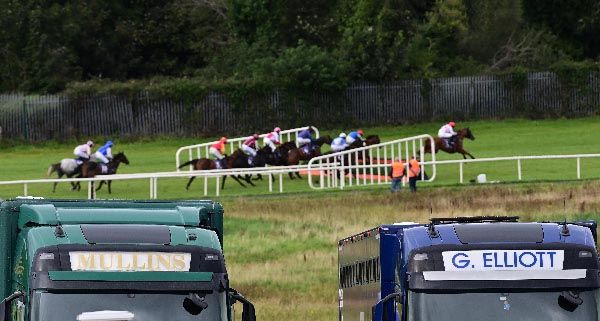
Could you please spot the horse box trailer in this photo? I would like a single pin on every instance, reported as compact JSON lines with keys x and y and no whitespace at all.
{"x":471,"y":268}
{"x":67,"y":260}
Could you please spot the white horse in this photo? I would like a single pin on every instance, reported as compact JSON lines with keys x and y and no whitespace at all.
{"x":67,"y":167}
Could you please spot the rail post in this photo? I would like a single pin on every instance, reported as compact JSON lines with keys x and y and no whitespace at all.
{"x":280,"y":182}
{"x":578,"y":167}
{"x":322,"y":175}
{"x":342,"y":173}
{"x":151,"y":188}
{"x":155,"y":187}
{"x":519,"y":170}
{"x":25,"y":189}
{"x":218,"y":185}
{"x":460,"y":166}
{"x":205,"y":186}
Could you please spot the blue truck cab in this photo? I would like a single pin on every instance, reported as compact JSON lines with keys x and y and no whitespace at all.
{"x":470,"y":268}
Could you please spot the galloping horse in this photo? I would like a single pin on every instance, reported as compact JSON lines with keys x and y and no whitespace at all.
{"x":458,"y":145}
{"x":299,"y":154}
{"x":296,"y":155}
{"x":200,"y":164}
{"x":67,"y":167}
{"x":280,"y":156}
{"x":241,"y":160}
{"x":91,"y":169}
{"x":370,"y":140}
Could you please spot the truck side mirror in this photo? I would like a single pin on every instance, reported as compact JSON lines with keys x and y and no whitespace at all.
{"x":380,"y":311}
{"x":5,"y":305}
{"x":249,"y":313}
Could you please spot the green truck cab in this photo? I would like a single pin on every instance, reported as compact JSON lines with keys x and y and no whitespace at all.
{"x":63,"y":260}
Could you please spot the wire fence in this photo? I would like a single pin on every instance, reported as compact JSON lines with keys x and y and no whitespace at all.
{"x":38,"y":118}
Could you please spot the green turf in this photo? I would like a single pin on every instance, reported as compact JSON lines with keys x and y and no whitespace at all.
{"x":493,"y":138}
{"x":281,"y":250}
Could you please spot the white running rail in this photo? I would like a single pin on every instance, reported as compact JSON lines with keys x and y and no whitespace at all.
{"x":324,"y":168}
{"x":216,"y":174}
{"x":519,"y":159}
{"x":187,"y":153}
{"x":348,"y":168}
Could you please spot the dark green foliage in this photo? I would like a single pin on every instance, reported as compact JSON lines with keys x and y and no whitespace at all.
{"x":576,"y":22}
{"x":291,"y":45}
{"x":51,"y":43}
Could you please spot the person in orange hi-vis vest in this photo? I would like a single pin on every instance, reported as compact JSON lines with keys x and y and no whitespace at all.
{"x":414,"y":170}
{"x":397,"y":173}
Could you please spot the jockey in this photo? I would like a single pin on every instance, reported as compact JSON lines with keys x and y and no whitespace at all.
{"x":447,"y":134}
{"x":305,"y":139}
{"x":218,"y":149}
{"x":104,"y":153}
{"x":353,"y":136}
{"x":272,"y":139}
{"x":339,"y":143}
{"x":249,"y":146}
{"x":83,"y":152}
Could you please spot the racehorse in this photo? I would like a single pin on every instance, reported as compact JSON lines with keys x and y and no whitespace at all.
{"x":241,"y":160}
{"x":280,"y":156}
{"x":458,"y":144}
{"x":67,"y":167}
{"x":91,"y":169}
{"x":370,"y":140}
{"x":201,"y":164}
{"x":298,"y":154}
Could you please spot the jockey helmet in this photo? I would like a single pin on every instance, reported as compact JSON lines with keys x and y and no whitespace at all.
{"x":109,"y":143}
{"x":452,"y":123}
{"x":223,"y":139}
{"x":277,"y":129}
{"x":255,"y":136}
{"x":90,"y":143}
{"x":343,"y":135}
{"x":360,"y":131}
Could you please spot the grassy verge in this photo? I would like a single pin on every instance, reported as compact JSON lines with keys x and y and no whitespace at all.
{"x":493,"y":138}
{"x":282,"y":251}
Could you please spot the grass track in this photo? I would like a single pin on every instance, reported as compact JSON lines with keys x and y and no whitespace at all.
{"x":281,"y":249}
{"x":493,"y":138}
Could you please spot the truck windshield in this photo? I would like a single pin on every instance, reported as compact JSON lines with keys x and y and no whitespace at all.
{"x":145,"y":307}
{"x":513,"y":306}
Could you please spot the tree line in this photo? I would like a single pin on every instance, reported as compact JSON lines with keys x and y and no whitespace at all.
{"x":47,"y":46}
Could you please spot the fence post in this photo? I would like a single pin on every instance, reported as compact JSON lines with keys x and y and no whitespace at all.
{"x":25,"y":189}
{"x":280,"y":182}
{"x":519,"y":172}
{"x":578,"y":167}
{"x":155,"y":189}
{"x":151,"y":188}
{"x":460,"y":166}
{"x":25,"y":121}
{"x":205,"y":185}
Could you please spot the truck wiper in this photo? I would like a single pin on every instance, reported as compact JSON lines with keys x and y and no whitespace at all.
{"x":569,"y":300}
{"x":194,"y":303}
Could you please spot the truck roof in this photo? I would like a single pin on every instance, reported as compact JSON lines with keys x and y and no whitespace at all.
{"x":56,"y":212}
{"x":483,"y":230}
{"x":172,"y":223}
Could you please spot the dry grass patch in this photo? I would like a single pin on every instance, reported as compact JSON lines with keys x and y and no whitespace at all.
{"x":287,"y":246}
